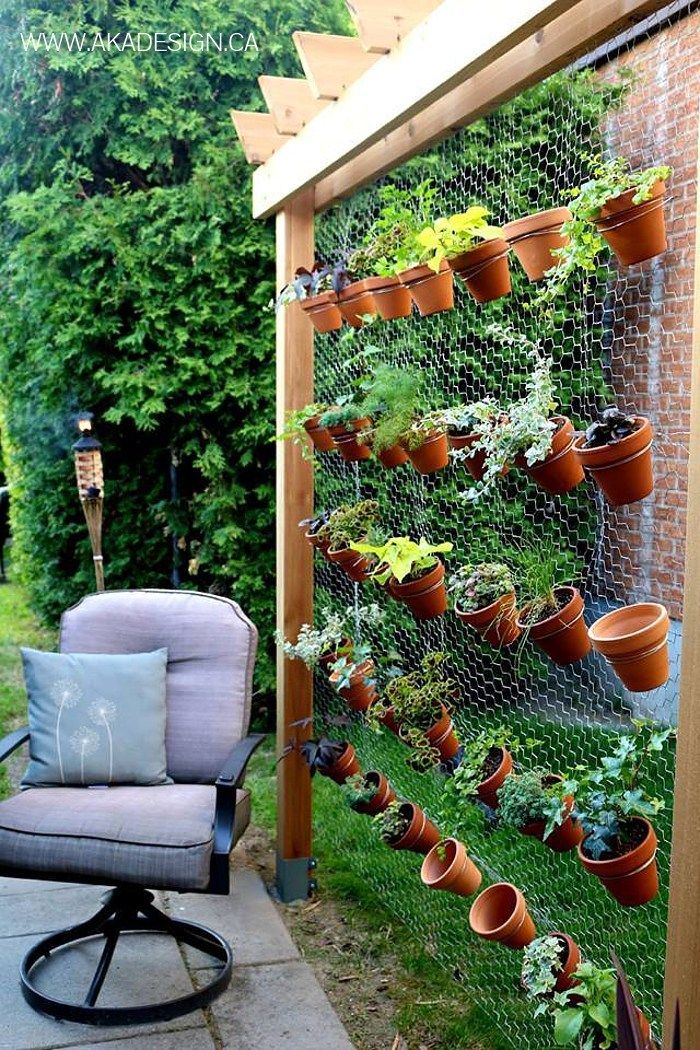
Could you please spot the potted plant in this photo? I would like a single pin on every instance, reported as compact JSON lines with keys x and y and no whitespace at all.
{"x":634,"y":639}
{"x":317,"y":646}
{"x":537,"y":239}
{"x":449,"y":867}
{"x":412,"y":571}
{"x":486,"y":762}
{"x":404,"y":825}
{"x":500,"y":914}
{"x":462,"y":424}
{"x":426,"y":443}
{"x":350,"y":524}
{"x":304,"y":422}
{"x":612,"y":808}
{"x":616,"y":451}
{"x":476,"y":251}
{"x":331,"y":758}
{"x":353,"y":677}
{"x":355,"y":298}
{"x":533,"y":803}
{"x":317,"y":292}
{"x":484,"y":597}
{"x":315,"y":531}
{"x":344,"y":422}
{"x":368,"y":793}
{"x":585,"y":1015}
{"x":392,"y":397}
{"x":551,"y":613}
{"x":548,"y":965}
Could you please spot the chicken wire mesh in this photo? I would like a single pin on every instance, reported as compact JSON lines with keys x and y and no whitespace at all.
{"x":625,"y":338}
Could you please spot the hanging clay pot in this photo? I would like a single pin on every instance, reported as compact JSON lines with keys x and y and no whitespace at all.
{"x":484,"y":270}
{"x":500,"y":914}
{"x":563,"y":635}
{"x":535,"y":237}
{"x":320,"y":436}
{"x":320,"y":542}
{"x":565,"y":836}
{"x":623,"y":469}
{"x":635,"y":232}
{"x":448,"y":867}
{"x":431,"y":292}
{"x":443,"y":737}
{"x":343,"y":767}
{"x":632,"y":878}
{"x":329,"y":658}
{"x":634,"y":640}
{"x":345,"y":437}
{"x":570,"y":959}
{"x":353,"y":564}
{"x":383,"y":795}
{"x":499,"y":765}
{"x":391,"y":299}
{"x":432,"y":455}
{"x":475,"y":464}
{"x":497,"y":623}
{"x":323,"y":312}
{"x":425,"y":597}
{"x":392,"y":457}
{"x":362,"y":691}
{"x":560,"y":471}
{"x":421,"y":834}
{"x":356,"y":301}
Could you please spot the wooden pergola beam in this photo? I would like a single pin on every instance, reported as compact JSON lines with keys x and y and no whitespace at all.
{"x":290,"y":101}
{"x":331,"y":63}
{"x":257,"y":134}
{"x":380,"y":26}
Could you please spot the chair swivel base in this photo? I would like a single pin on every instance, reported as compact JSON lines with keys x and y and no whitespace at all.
{"x":125,"y":910}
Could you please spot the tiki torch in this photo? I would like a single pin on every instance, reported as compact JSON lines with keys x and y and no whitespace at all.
{"x":88,"y":473}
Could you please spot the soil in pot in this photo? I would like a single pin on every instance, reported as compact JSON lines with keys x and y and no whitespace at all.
{"x":391,"y":298}
{"x":344,"y":767}
{"x":561,"y":470}
{"x":567,"y":835}
{"x":443,"y":737}
{"x":449,"y":867}
{"x":635,"y":232}
{"x":392,"y":457}
{"x":497,"y":623}
{"x":485,"y":270}
{"x":383,"y":795}
{"x":346,"y":441}
{"x":500,"y":914}
{"x":323,"y":312}
{"x":631,"y":877}
{"x":356,"y":301}
{"x":623,"y":469}
{"x":498,"y":765}
{"x":535,"y":237}
{"x":362,"y":691}
{"x":353,"y":564}
{"x":562,"y":635}
{"x":426,"y":597}
{"x":431,"y":292}
{"x":634,"y":640}
{"x":432,"y":455}
{"x":320,"y":436}
{"x":421,"y":834}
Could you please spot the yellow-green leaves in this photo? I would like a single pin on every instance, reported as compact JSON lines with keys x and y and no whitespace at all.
{"x":452,"y":235}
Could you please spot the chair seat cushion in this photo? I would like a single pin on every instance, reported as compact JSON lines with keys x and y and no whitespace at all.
{"x":158,"y":837}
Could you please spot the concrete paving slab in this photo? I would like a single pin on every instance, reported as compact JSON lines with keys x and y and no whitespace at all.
{"x":45,"y":910}
{"x":10,"y":886}
{"x":194,"y":1039}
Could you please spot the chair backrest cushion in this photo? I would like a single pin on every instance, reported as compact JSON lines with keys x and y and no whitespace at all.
{"x":211,"y":654}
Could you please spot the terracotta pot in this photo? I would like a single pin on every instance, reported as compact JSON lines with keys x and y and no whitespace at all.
{"x":391,"y":299}
{"x":623,"y":469}
{"x":346,"y":440}
{"x":392,"y":457}
{"x":383,"y":795}
{"x":362,"y":691}
{"x":635,"y":232}
{"x":353,"y":564}
{"x":355,"y":301}
{"x":567,"y":835}
{"x":390,"y":721}
{"x":421,"y":835}
{"x":426,"y":597}
{"x":320,"y":436}
{"x":475,"y":464}
{"x":346,"y":766}
{"x":570,"y":960}
{"x":487,"y":789}
{"x":561,"y":470}
{"x":431,"y":292}
{"x":484,"y":270}
{"x":497,"y":622}
{"x":562,"y":636}
{"x":328,"y":659}
{"x":457,"y":872}
{"x":321,"y":543}
{"x":534,"y":238}
{"x":500,"y":914}
{"x":634,"y":640}
{"x":633,"y":878}
{"x":443,"y":737}
{"x":323,"y":311}
{"x":432,"y":455}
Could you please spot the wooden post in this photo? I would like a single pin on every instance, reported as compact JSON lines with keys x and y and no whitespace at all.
{"x":683,"y":945}
{"x":295,"y":387}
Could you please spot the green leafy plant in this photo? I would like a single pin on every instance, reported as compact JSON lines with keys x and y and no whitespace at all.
{"x":403,"y":214}
{"x":294,"y":429}
{"x":539,"y":575}
{"x":584,"y":1016}
{"x":542,"y":963}
{"x":401,"y":558}
{"x":392,"y":397}
{"x":485,"y":747}
{"x":524,"y":798}
{"x":357,"y":790}
{"x":352,"y":523}
{"x":349,"y":664}
{"x":342,"y":415}
{"x":476,"y":586}
{"x":314,"y":643}
{"x":422,"y":428}
{"x":392,"y":824}
{"x":450,"y":236}
{"x":463,"y":420}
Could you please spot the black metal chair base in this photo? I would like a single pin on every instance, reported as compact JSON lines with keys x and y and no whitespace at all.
{"x":126,"y":910}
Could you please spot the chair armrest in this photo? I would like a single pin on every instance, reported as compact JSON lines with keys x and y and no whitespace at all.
{"x":233,"y":771}
{"x":12,"y":741}
{"x":228,"y":781}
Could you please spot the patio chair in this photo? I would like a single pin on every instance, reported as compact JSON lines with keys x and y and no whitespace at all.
{"x":175,"y":836}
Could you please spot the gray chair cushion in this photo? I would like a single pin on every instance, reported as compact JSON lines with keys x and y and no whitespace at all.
{"x":159,"y":837}
{"x":211,"y":652}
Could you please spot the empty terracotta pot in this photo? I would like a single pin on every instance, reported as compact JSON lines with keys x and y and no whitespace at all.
{"x":431,"y":292}
{"x":561,"y":470}
{"x":421,"y":835}
{"x":346,"y":440}
{"x":497,"y":622}
{"x":454,"y":871}
{"x":443,"y":737}
{"x":353,"y":564}
{"x":484,"y":270}
{"x":362,"y":691}
{"x":562,"y":636}
{"x":634,"y":640}
{"x":384,"y":794}
{"x":500,"y":914}
{"x":392,"y":457}
{"x":567,"y":835}
{"x":635,"y":232}
{"x":391,"y":298}
{"x":344,"y":767}
{"x":320,"y":436}
{"x":426,"y":597}
{"x":534,"y":238}
{"x":622,"y":469}
{"x":487,"y":789}
{"x":633,"y":878}
{"x":355,"y":301}
{"x":570,"y":959}
{"x":323,"y":312}
{"x":433,"y":454}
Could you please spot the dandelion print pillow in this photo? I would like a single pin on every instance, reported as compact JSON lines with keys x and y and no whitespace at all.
{"x":95,"y":719}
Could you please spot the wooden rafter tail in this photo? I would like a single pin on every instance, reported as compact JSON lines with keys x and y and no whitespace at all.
{"x":381,"y":26}
{"x":331,"y":63}
{"x":258,"y":135}
{"x":290,"y":101}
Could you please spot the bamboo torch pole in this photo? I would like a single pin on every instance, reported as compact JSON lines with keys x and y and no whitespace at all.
{"x":90,"y":479}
